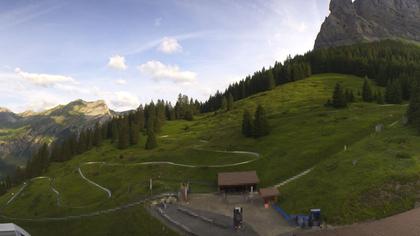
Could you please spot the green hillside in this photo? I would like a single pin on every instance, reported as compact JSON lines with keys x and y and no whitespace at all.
{"x":305,"y":134}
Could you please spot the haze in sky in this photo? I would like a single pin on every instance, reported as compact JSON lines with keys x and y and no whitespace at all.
{"x":128,"y":52}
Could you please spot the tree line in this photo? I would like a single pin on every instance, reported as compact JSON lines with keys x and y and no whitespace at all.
{"x":123,"y":131}
{"x":292,"y":69}
{"x":391,"y":64}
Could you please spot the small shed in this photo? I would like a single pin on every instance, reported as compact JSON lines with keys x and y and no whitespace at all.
{"x":238,"y":181}
{"x":269,"y":195}
{"x":11,"y":229}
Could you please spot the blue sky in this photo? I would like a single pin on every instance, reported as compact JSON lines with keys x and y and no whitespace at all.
{"x":128,"y":52}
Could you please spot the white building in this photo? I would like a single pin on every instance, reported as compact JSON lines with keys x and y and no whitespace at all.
{"x":12,"y":230}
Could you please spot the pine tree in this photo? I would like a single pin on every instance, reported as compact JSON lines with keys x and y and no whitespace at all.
{"x":151,"y":142}
{"x":224,"y":104}
{"x":261,"y":126}
{"x":393,"y":93}
{"x":189,"y":115}
{"x":247,"y":129}
{"x":43,"y":155}
{"x":114,"y":131}
{"x":97,"y":135}
{"x":367,"y":94}
{"x":339,"y":98}
{"x":413,"y":112}
{"x":230,"y":102}
{"x":123,"y":135}
{"x":134,"y":134}
{"x":270,"y":83}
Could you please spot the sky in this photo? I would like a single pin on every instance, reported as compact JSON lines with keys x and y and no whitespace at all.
{"x":129,"y":52}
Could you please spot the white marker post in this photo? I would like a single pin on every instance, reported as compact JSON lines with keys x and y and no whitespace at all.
{"x":151,"y":186}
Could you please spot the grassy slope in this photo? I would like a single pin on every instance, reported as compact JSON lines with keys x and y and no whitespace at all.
{"x":378,"y":176}
{"x":304,"y":133}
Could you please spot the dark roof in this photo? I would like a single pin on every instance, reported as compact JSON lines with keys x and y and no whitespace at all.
{"x":237,"y":178}
{"x":269,"y":192}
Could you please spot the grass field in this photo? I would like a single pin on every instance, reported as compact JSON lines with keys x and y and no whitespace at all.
{"x":304,"y":134}
{"x":376,"y":177}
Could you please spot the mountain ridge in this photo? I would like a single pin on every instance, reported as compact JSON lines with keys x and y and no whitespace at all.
{"x":24,"y":132}
{"x":358,"y":21}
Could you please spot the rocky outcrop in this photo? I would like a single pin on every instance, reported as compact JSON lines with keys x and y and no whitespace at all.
{"x":369,"y":20}
{"x":21,"y":134}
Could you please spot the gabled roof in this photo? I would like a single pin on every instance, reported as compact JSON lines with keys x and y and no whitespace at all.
{"x":237,"y":178}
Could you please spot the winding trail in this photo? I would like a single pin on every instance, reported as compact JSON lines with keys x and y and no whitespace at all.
{"x":294,"y":178}
{"x":95,"y":184}
{"x":109,"y":193}
{"x":56,"y":192}
{"x":17,"y":193}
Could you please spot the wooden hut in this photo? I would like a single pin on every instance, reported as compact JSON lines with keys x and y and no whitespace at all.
{"x":238,"y":181}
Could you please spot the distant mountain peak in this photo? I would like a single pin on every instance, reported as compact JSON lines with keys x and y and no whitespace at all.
{"x":80,"y":107}
{"x":358,"y":21}
{"x":5,"y":110}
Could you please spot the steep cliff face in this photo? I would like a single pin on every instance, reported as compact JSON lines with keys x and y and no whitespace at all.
{"x":20,"y":134}
{"x":369,"y":20}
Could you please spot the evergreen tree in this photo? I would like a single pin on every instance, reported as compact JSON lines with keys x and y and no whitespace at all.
{"x":140,"y":117}
{"x":189,"y":115}
{"x":43,"y":155}
{"x":97,"y":135}
{"x":224,"y":104}
{"x":261,"y":126}
{"x":134,"y":134}
{"x":339,"y":98}
{"x":270,"y":83}
{"x":413,"y":112}
{"x":151,"y":141}
{"x":114,"y":131}
{"x":367,"y":95}
{"x":123,"y":135}
{"x":393,"y":93}
{"x":230,"y":102}
{"x":247,"y":129}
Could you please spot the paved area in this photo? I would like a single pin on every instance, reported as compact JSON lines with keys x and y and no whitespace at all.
{"x":196,"y":222}
{"x":265,"y":222}
{"x":404,"y":224}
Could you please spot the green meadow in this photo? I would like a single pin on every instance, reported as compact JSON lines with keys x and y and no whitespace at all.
{"x":304,"y":134}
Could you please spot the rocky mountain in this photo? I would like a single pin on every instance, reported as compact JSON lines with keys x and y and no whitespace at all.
{"x":21,"y":134}
{"x":356,"y":21}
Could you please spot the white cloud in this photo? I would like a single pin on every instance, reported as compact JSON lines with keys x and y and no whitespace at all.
{"x":169,"y":45}
{"x":159,"y":71}
{"x":120,"y":81}
{"x":123,"y":100}
{"x":117,"y":62}
{"x":44,"y":80}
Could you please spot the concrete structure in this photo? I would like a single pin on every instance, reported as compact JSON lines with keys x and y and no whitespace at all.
{"x":12,"y":230}
{"x":238,"y":181}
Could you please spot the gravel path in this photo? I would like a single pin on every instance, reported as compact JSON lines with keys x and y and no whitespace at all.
{"x":17,"y":193}
{"x":95,"y":184}
{"x":293,"y":178}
